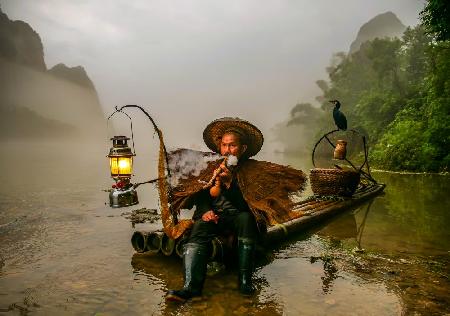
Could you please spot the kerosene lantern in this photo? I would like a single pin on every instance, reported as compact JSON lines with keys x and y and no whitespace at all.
{"x":120,"y":156}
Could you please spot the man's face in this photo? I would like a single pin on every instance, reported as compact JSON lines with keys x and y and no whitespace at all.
{"x":231,"y":145}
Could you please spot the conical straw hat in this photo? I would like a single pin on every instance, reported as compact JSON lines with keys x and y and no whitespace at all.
{"x":251,"y":135}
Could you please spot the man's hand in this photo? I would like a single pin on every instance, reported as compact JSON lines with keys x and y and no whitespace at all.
{"x":210,"y":216}
{"x":225,"y":175}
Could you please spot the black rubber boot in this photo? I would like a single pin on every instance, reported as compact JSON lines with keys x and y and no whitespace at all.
{"x":246,"y":252}
{"x":195,"y":257}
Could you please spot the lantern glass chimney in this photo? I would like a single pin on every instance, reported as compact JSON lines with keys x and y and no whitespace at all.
{"x":120,"y":158}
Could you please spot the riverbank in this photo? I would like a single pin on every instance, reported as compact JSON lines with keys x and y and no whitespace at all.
{"x":412,"y":173}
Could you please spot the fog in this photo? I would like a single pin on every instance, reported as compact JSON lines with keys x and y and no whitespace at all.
{"x":58,"y":108}
{"x":190,"y":62}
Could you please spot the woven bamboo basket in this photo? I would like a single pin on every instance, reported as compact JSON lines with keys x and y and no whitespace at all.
{"x":334,"y":181}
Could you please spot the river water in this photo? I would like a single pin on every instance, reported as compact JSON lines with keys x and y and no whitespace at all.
{"x":63,"y":251}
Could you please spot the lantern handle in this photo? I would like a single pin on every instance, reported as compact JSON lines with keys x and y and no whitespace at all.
{"x":154,"y":126}
{"x":131,"y":125}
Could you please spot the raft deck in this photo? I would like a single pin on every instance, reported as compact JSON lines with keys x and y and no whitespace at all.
{"x":317,"y":209}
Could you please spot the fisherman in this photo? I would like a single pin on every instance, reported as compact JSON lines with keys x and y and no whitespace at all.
{"x":241,"y":200}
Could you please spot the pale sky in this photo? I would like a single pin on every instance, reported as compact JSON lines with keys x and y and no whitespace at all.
{"x":190,"y":62}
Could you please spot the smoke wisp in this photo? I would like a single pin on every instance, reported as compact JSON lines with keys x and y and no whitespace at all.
{"x":184,"y":163}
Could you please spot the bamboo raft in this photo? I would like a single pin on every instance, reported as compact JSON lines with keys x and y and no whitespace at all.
{"x":315,"y":209}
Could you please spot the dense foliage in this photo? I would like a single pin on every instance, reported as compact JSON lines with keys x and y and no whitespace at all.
{"x":436,"y":19}
{"x":397,"y":91}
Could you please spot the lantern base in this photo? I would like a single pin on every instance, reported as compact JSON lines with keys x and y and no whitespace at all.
{"x":123,"y":197}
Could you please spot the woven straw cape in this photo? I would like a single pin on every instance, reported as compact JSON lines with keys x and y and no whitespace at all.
{"x":253,"y":137}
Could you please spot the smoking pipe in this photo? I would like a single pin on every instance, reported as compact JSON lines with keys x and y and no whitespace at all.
{"x":229,"y":161}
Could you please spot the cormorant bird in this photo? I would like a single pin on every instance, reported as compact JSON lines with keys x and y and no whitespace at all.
{"x":339,"y":118}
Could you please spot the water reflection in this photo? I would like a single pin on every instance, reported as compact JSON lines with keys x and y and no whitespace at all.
{"x":330,"y":272}
{"x":343,"y":228}
{"x":337,"y":230}
{"x":220,"y":293}
{"x":360,"y":229}
{"x":157,"y":267}
{"x":418,"y":275}
{"x":346,"y":227}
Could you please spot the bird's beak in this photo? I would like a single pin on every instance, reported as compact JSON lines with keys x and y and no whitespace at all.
{"x":331,"y":101}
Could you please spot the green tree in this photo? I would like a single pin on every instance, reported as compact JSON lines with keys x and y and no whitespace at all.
{"x":436,"y":19}
{"x":419,"y":137}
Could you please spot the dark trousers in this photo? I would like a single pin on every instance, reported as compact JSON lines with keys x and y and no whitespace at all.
{"x":242,"y":224}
